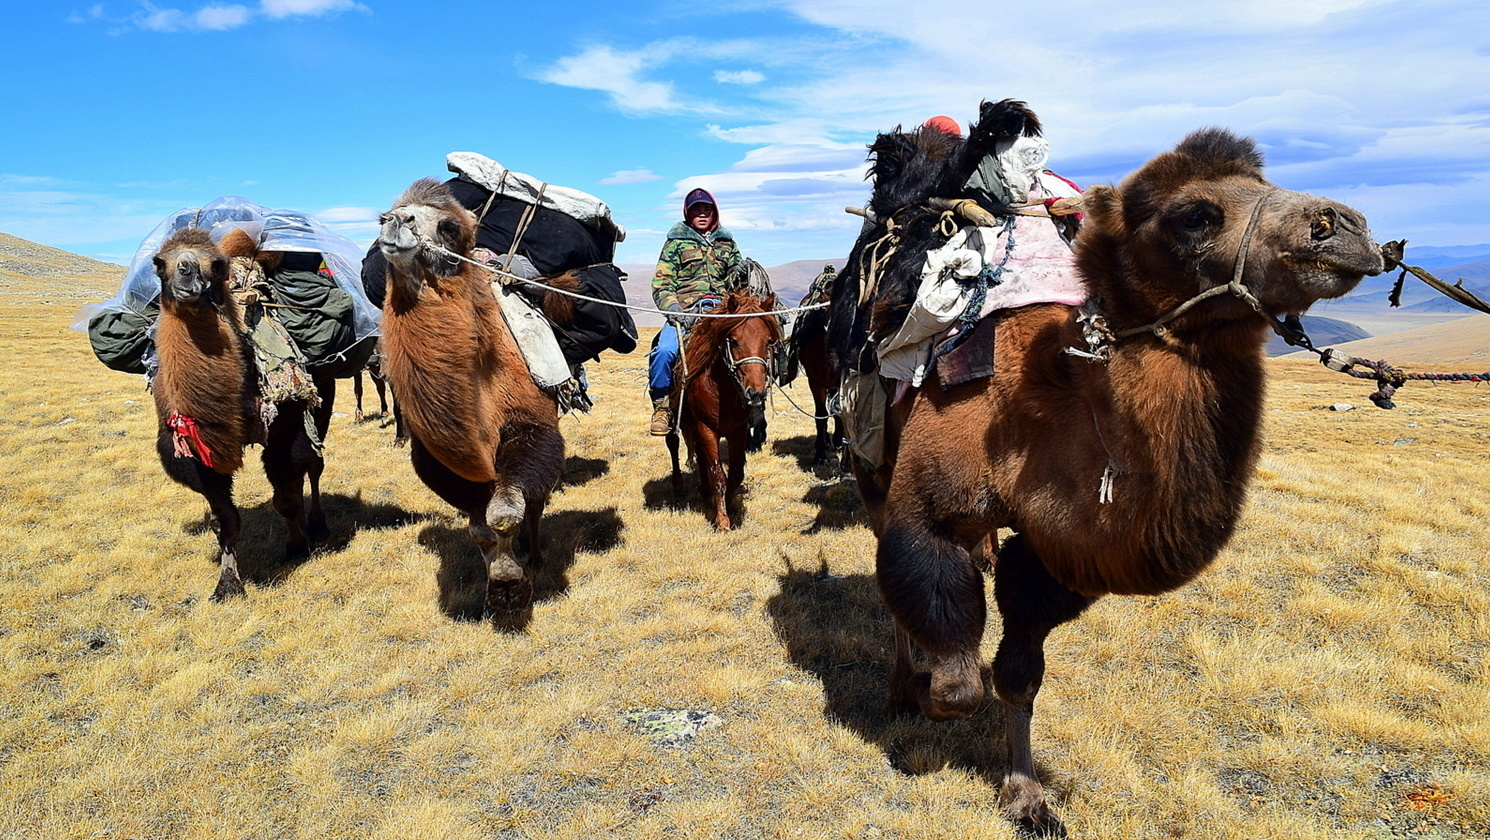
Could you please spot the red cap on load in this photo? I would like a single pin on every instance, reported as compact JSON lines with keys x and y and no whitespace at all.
{"x":944,"y":124}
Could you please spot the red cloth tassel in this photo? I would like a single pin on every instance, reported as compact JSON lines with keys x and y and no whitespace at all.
{"x":185,"y":435}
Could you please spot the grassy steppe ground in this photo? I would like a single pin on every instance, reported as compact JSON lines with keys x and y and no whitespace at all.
{"x":1326,"y":678}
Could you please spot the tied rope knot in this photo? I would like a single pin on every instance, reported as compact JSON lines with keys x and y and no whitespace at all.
{"x":186,"y":435}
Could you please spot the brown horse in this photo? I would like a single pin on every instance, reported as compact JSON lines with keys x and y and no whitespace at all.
{"x":810,"y":338}
{"x":725,"y":374}
{"x":1121,"y":471}
{"x":482,"y":436}
{"x":206,"y":400}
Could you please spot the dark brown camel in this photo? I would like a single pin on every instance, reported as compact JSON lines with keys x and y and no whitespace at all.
{"x":1123,"y":477}
{"x":482,"y":436}
{"x":206,"y":399}
{"x":725,"y":371}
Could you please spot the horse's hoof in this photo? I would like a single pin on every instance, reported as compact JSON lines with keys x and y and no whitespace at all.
{"x":723,"y":525}
{"x":316,"y":529}
{"x":228,"y":588}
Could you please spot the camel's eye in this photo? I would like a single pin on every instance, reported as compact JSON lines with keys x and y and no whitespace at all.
{"x":1197,"y":218}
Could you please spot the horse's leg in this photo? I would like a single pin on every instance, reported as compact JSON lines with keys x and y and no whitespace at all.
{"x":672,"y":448}
{"x":217,"y":489}
{"x":1032,"y":604}
{"x":735,"y":481}
{"x":382,"y":388}
{"x":820,"y":419}
{"x":400,"y":434}
{"x":711,"y":479}
{"x":357,"y":390}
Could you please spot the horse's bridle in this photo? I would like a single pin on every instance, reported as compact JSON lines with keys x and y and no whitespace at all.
{"x":734,"y":365}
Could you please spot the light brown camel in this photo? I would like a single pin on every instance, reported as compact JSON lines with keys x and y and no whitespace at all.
{"x":1123,"y":476}
{"x":482,"y":436}
{"x":206,"y":400}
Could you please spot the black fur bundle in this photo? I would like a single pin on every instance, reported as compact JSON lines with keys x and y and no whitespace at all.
{"x":906,"y":169}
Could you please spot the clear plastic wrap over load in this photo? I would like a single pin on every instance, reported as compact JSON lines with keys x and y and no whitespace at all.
{"x":274,"y":230}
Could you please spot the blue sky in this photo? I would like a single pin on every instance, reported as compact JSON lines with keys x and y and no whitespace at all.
{"x":115,"y":114}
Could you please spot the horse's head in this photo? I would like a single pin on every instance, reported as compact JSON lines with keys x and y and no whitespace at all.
{"x":426,"y":214}
{"x":191,"y":269}
{"x":745,"y":346}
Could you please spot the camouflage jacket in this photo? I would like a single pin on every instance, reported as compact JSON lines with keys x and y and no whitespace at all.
{"x":692,"y":265}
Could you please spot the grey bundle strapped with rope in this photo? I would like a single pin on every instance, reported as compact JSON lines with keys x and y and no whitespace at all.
{"x":508,"y":278}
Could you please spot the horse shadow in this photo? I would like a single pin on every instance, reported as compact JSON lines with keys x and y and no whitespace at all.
{"x":261,"y":536}
{"x":658,"y":494}
{"x":836,"y":628}
{"x":461,"y":576}
{"x":800,"y":449}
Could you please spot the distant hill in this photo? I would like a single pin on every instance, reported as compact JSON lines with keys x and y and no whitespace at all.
{"x":789,"y":279}
{"x":1322,"y":332}
{"x":42,"y":271}
{"x":1461,"y":341}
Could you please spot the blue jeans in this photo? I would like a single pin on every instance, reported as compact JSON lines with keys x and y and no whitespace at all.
{"x":660,"y":364}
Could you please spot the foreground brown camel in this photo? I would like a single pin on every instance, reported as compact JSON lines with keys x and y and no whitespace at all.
{"x":1122,"y":476}
{"x":482,"y":436}
{"x":206,"y":400}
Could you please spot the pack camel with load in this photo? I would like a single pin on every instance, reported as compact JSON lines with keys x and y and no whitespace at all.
{"x":241,"y":319}
{"x":531,"y":234}
{"x":1112,"y":427}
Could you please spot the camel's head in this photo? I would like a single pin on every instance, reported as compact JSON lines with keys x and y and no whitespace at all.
{"x":426,"y":213}
{"x":1184,"y":222}
{"x":191,"y":269}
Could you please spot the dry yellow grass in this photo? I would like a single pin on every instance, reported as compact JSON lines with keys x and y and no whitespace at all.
{"x":1329,"y":667}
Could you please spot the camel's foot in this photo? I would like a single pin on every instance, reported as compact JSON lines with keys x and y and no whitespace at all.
{"x":954,"y":690}
{"x":1022,"y":800}
{"x":228,"y":586}
{"x":505,"y":598}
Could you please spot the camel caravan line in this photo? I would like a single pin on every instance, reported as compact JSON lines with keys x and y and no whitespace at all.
{"x":1081,"y":370}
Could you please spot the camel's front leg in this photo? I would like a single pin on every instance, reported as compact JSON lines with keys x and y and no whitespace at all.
{"x":508,"y":589}
{"x":711,"y":479}
{"x":1032,"y":604}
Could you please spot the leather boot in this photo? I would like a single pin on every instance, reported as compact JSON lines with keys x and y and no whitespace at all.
{"x":662,"y":416}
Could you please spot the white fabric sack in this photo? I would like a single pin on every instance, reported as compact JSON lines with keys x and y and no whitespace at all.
{"x":534,"y":338}
{"x":485,"y":172}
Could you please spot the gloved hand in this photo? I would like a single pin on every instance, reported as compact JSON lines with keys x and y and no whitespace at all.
{"x":676,"y":316}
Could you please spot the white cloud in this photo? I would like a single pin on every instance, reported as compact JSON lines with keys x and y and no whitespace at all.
{"x":630,"y":176}
{"x":739,"y":77}
{"x":359,"y":224}
{"x":219,"y":18}
{"x":290,"y":8}
{"x":619,"y":74}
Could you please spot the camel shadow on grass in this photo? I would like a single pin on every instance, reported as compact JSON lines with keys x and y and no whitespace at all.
{"x":462,"y":573}
{"x":836,"y":628}
{"x":261,"y":540}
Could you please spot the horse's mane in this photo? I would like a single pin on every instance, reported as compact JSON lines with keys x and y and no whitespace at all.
{"x":705,"y":339}
{"x":907,"y":168}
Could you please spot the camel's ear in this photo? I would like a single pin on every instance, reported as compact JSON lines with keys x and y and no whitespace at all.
{"x":1103,"y":208}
